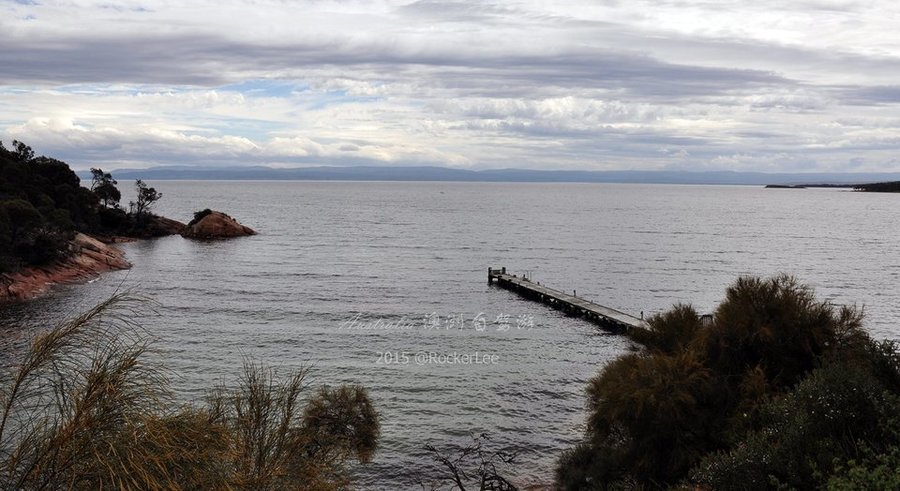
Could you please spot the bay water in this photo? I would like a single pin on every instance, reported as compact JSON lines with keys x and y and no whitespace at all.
{"x":383,"y":283}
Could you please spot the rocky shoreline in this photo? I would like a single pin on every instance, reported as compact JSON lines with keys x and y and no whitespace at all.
{"x":90,"y":257}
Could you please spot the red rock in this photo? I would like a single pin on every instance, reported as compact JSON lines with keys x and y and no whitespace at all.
{"x":216,"y":225}
{"x":88,"y":259}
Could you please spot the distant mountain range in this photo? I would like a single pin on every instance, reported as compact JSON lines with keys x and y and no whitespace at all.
{"x":499,"y":175}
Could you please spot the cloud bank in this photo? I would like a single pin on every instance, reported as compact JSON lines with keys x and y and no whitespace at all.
{"x":805,"y":85}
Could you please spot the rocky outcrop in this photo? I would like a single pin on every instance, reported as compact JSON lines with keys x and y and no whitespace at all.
{"x":162,"y":226}
{"x":89,"y":257}
{"x":151,"y":227}
{"x":210,"y":224}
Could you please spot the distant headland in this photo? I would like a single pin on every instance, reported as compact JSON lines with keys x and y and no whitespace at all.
{"x":446,"y":174}
{"x":873,"y":187}
{"x":879,"y":187}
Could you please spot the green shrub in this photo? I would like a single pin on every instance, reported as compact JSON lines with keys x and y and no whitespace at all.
{"x":43,"y":246}
{"x":669,"y":332}
{"x":114,"y":220}
{"x":21,"y":218}
{"x":769,"y":393}
{"x":871,"y":471}
{"x":827,"y":418}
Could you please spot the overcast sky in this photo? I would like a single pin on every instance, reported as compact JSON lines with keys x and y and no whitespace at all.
{"x":768,"y":85}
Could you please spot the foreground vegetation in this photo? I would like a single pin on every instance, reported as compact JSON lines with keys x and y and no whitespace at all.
{"x":778,"y":391}
{"x":42,"y":205}
{"x":83,"y":408}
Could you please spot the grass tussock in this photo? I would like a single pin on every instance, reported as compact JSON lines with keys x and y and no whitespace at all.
{"x":83,"y":409}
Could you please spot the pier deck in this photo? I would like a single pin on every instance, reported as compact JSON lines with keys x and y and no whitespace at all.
{"x":607,"y":318}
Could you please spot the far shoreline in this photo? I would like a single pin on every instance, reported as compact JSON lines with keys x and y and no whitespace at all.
{"x":510,"y":175}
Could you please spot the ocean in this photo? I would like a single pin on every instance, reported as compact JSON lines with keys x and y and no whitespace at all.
{"x":352,"y":278}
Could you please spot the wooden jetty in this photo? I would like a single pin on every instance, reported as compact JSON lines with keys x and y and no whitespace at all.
{"x":605,"y":317}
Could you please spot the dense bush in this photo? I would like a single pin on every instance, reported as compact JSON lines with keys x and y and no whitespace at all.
{"x":43,"y":245}
{"x":48,"y":184}
{"x":83,"y":409}
{"x":869,"y":471}
{"x":778,"y":390}
{"x":113,"y":219}
{"x":831,"y":414}
{"x":27,"y":237}
{"x":42,"y":205}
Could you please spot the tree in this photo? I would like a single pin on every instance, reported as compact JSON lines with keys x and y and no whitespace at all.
{"x":104,"y":186}
{"x":21,"y":217}
{"x":146,"y":196}
{"x":18,"y":220}
{"x":27,"y":237}
{"x":23,"y":152}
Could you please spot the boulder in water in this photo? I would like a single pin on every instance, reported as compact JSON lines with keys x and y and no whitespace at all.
{"x":209,"y":224}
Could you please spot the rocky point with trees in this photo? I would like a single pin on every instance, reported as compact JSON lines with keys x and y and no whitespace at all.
{"x":52,"y":229}
{"x":49,"y":223}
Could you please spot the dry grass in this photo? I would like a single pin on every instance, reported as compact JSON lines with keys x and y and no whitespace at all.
{"x":84,"y":410}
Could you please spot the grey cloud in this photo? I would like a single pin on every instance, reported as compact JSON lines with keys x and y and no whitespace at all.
{"x":759,"y":135}
{"x":634,"y":76}
{"x":598,"y":136}
{"x":597,"y":56}
{"x":684,"y":95}
{"x":869,"y":95}
{"x":456,"y":11}
{"x":137,"y":60}
{"x":211,"y":61}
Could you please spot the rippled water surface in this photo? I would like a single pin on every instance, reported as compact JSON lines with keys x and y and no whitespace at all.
{"x":397,"y":252}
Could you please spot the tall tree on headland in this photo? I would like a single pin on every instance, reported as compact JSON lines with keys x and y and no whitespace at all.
{"x":146,"y":196}
{"x":104,"y":186}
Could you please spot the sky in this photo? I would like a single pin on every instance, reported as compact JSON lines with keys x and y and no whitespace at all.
{"x":768,"y":85}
